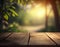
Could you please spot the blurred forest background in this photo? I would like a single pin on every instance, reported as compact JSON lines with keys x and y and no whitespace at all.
{"x":15,"y":14}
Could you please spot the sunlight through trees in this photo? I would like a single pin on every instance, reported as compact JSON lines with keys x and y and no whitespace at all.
{"x":30,"y":12}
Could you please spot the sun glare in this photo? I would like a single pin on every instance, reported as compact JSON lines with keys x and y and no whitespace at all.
{"x":39,"y":10}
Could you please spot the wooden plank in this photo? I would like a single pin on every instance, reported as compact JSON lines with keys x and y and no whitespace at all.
{"x":18,"y":39}
{"x":40,"y":39}
{"x":4,"y":35}
{"x":57,"y":33}
{"x":1,"y":33}
{"x":55,"y":36}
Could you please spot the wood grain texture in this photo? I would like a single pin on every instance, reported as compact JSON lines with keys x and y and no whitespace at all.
{"x":4,"y":35}
{"x":33,"y":38}
{"x":19,"y":38}
{"x":40,"y":39}
{"x":55,"y":36}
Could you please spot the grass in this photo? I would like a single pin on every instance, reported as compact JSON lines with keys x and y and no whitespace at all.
{"x":15,"y":29}
{"x":49,"y":29}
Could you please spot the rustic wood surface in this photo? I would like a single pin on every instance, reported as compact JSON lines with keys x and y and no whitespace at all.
{"x":55,"y":37}
{"x":35,"y":38}
{"x":40,"y":39}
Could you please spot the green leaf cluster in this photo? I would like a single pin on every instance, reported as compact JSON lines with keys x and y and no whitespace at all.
{"x":9,"y":11}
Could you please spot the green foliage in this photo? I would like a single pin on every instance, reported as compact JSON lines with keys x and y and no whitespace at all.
{"x":52,"y":28}
{"x":9,"y":9}
{"x":49,"y":29}
{"x":13,"y":12}
{"x":13,"y":29}
{"x":23,"y":2}
{"x":11,"y":0}
{"x":6,"y":17}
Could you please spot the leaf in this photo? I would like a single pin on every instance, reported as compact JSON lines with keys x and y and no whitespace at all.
{"x":6,"y":16}
{"x":8,"y":13}
{"x":18,"y":1}
{"x":13,"y":15}
{"x":11,"y":25}
{"x":13,"y":7}
{"x":11,"y":0}
{"x":13,"y":12}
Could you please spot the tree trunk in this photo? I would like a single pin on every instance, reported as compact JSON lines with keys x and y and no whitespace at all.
{"x":59,"y":2}
{"x":46,"y":17}
{"x":56,"y":15}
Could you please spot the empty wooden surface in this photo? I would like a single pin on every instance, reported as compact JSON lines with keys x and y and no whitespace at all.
{"x":35,"y":38}
{"x":19,"y":38}
{"x":4,"y":35}
{"x":55,"y":37}
{"x":40,"y":39}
